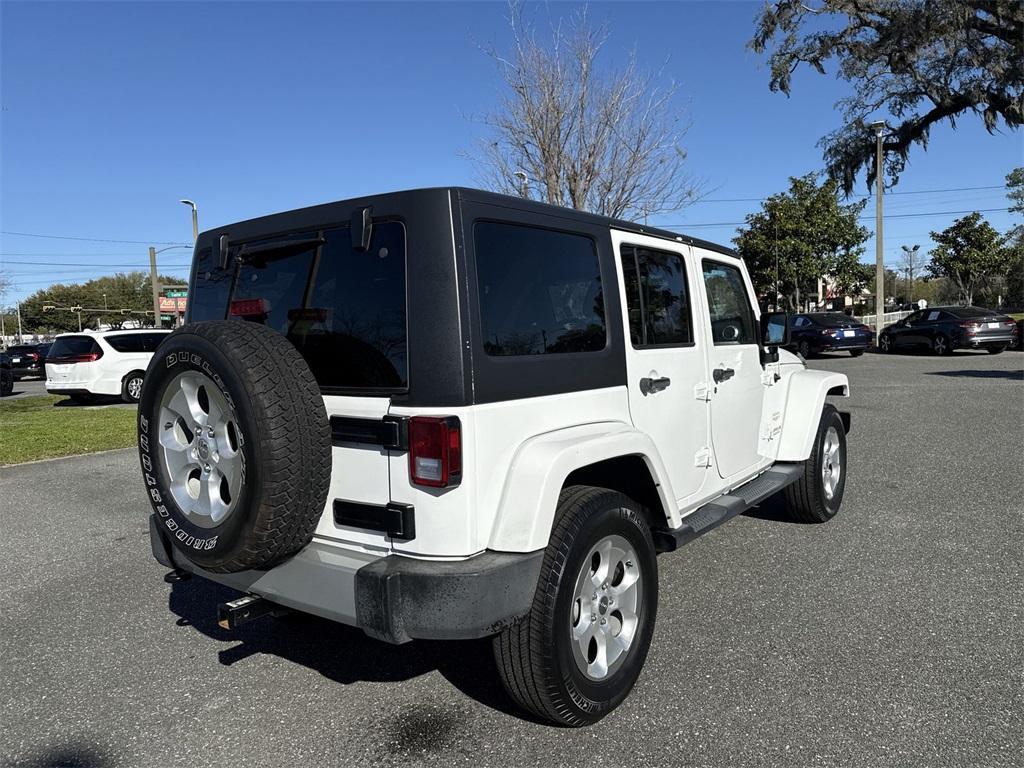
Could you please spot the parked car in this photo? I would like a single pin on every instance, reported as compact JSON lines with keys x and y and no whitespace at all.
{"x":6,"y":375}
{"x":816,"y":332}
{"x":451,"y":414}
{"x":943,"y":329}
{"x":84,"y":365}
{"x":28,"y":360}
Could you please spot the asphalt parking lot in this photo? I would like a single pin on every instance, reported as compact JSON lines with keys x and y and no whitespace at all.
{"x":892,"y":636}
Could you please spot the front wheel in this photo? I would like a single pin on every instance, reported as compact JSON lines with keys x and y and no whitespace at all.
{"x":941,"y":346}
{"x":885,"y":343}
{"x":804,"y":349}
{"x":816,"y":496}
{"x":577,"y":653}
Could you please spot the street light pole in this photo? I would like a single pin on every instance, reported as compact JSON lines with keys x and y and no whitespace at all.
{"x":20,"y":336}
{"x":878,"y":127}
{"x":195,"y":219}
{"x":910,"y":253}
{"x":155,"y":285}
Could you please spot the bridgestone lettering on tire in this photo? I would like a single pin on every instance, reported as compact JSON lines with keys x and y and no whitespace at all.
{"x":601,"y":539}
{"x":235,"y":445}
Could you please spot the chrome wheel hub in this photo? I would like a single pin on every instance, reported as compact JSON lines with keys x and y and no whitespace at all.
{"x":831,"y":463}
{"x":200,"y":449}
{"x":603,"y":619}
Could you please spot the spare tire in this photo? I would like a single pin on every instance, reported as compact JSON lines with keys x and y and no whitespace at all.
{"x":235,"y":445}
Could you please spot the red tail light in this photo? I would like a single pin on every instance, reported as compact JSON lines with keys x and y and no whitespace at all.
{"x":87,"y":357}
{"x":33,"y":355}
{"x":971,"y":326}
{"x":435,"y":451}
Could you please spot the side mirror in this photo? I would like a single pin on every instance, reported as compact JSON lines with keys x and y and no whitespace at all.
{"x":775,"y":329}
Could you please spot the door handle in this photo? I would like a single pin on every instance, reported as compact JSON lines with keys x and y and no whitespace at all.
{"x":649,"y":386}
{"x":722,"y":374}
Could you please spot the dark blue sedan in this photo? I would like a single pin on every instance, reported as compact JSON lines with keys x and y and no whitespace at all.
{"x":817,"y":332}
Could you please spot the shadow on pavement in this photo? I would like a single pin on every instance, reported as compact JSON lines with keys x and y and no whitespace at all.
{"x":972,"y":374}
{"x":338,"y":652}
{"x":67,"y":756}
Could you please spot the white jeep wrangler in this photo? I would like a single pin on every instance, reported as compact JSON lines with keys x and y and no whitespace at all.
{"x":447,"y":413}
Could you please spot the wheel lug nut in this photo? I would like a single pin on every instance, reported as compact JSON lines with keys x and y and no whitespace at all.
{"x":604,"y":621}
{"x":604,"y":586}
{"x":593,"y":617}
{"x":629,"y":563}
{"x":206,"y":467}
{"x":209,"y":431}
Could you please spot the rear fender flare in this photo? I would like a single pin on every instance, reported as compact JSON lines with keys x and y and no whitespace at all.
{"x":538,"y":471}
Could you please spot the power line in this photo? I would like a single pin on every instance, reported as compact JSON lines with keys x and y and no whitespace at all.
{"x":909,"y":192}
{"x":79,"y":265}
{"x":861,"y":218}
{"x":93,"y":239}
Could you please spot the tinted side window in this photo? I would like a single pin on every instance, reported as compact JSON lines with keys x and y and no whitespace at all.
{"x":656,"y":297}
{"x":540,"y":291}
{"x":732,"y":319}
{"x":136,"y":342}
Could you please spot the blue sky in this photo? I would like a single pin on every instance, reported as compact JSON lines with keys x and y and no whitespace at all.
{"x":112,"y":112}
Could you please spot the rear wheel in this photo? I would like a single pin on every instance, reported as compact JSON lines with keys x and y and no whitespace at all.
{"x":131,"y":387}
{"x":941,"y":346}
{"x":804,"y":349}
{"x":576,"y":655}
{"x":816,"y":496}
{"x":995,"y":350}
{"x":885,"y":343}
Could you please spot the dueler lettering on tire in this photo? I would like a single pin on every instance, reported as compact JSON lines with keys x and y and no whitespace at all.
{"x":234,"y":444}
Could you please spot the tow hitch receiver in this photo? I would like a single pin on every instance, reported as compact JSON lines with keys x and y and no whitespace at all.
{"x":244,"y":609}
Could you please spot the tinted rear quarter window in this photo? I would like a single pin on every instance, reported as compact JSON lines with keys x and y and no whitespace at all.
{"x":135,"y":342}
{"x":539,"y":290}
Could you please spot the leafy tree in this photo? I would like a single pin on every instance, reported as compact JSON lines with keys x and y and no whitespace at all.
{"x":1015,"y":190}
{"x":573,"y":132}
{"x":967,"y":252}
{"x":922,"y":62}
{"x":124,"y":291}
{"x":808,"y":235}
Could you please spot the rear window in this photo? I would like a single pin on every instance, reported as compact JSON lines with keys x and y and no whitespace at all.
{"x":73,"y":345}
{"x":344,"y":309}
{"x":540,"y":291}
{"x":135,"y":342}
{"x":971,"y":312}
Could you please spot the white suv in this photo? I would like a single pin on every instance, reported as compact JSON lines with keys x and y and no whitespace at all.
{"x":449,"y":414}
{"x":84,"y":365}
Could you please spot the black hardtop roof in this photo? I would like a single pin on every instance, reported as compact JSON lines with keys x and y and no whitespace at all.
{"x":340,"y":210}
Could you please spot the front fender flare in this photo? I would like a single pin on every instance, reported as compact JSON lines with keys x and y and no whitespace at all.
{"x":804,"y":402}
{"x":538,"y":471}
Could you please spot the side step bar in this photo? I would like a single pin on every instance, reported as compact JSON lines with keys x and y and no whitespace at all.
{"x":726,"y":507}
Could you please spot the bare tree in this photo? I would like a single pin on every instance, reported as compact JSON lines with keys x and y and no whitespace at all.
{"x":570,"y":133}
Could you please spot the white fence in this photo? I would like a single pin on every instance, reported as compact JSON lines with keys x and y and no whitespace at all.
{"x":887,"y":318}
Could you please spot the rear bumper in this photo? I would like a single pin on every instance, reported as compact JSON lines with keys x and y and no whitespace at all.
{"x":391,"y":598}
{"x":986,"y":341}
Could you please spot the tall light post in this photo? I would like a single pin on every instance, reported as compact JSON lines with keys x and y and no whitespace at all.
{"x":524,"y":183}
{"x":195,"y":219}
{"x":910,"y":253}
{"x":879,"y":127}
